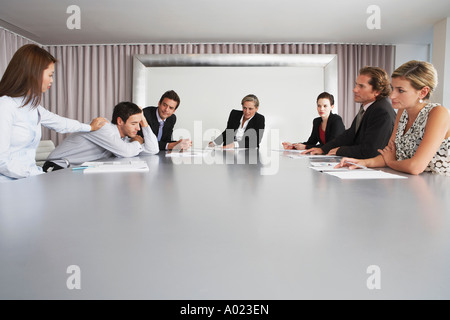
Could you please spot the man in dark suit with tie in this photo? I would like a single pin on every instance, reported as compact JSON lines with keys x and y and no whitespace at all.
{"x":162,"y":121}
{"x":244,"y":128}
{"x":372,"y":127}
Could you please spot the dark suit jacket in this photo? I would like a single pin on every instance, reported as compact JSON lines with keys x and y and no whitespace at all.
{"x":152,"y":119}
{"x":252,"y":135}
{"x":373,"y":134}
{"x":334,"y":127}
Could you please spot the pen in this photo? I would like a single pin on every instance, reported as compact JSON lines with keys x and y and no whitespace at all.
{"x":358,"y":165}
{"x":81,"y":168}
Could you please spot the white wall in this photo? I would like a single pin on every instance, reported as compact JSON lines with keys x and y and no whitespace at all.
{"x":408,"y":52}
{"x":287,"y":97}
{"x":441,"y":61}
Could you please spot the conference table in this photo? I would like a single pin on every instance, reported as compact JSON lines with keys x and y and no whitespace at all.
{"x":238,"y":224}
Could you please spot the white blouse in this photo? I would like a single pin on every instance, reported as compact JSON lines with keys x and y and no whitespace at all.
{"x":241,"y":131}
{"x":20,"y":133}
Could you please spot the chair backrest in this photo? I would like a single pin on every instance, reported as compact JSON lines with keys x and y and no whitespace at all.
{"x":44,"y":148}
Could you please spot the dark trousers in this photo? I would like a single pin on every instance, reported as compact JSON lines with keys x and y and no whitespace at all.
{"x":51,"y":166}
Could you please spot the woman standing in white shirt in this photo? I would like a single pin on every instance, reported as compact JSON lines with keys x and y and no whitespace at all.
{"x":28,"y":75}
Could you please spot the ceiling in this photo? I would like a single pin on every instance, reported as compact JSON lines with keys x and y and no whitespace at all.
{"x":200,"y":21}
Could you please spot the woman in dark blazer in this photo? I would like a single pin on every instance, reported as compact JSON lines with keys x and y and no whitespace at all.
{"x":245,"y":128}
{"x":325,"y":128}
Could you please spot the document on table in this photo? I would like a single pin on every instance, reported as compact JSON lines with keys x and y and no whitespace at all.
{"x":115,"y":166}
{"x":331,"y":164}
{"x":326,"y":166}
{"x":184,"y":154}
{"x":346,"y":173}
{"x":205,"y":150}
{"x":220,"y":148}
{"x":232,"y":149}
{"x":364,"y":174}
{"x":293,"y":150}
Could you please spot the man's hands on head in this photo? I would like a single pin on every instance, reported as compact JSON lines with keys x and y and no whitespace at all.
{"x":143,"y":122}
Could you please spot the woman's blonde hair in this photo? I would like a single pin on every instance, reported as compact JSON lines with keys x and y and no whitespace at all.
{"x":252,"y":98}
{"x":420,"y":74}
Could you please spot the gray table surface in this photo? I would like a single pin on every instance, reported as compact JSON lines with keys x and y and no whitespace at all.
{"x":224,"y":227}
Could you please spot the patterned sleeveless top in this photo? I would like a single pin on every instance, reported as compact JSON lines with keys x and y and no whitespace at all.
{"x":407,"y":144}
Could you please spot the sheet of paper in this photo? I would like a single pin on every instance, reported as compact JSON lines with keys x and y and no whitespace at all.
{"x":206,"y":150}
{"x":107,"y":167}
{"x":185,"y":154}
{"x":331,"y":164}
{"x":364,"y":174}
{"x":233,"y":149}
{"x":326,"y":166}
{"x":293,"y":151}
{"x":93,"y":164}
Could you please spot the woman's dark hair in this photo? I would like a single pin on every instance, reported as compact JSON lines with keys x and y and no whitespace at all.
{"x":124,"y":110}
{"x":23,"y":76}
{"x":326,"y":95}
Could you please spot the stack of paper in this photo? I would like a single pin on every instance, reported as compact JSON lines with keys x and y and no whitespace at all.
{"x":184,"y":154}
{"x":326,"y":166}
{"x":365,"y":174}
{"x":107,"y":167}
{"x":220,"y":148}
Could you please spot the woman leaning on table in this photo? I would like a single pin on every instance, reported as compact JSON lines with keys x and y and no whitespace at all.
{"x":28,"y":75}
{"x":326,"y":127}
{"x":421,"y":137}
